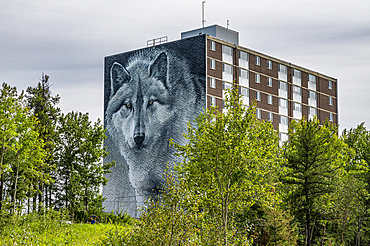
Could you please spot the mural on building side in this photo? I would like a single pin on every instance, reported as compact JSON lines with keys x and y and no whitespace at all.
{"x":150,"y":95}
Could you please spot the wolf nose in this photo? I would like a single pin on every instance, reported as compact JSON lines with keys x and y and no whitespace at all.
{"x":139,"y":139}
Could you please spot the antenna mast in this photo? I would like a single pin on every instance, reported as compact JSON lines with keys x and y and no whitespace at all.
{"x":203,"y":19}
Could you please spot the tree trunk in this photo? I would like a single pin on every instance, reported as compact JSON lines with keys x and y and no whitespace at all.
{"x":1,"y":189}
{"x":15,"y":187}
{"x":2,"y":174}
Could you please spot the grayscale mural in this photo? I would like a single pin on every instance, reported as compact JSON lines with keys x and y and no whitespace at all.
{"x":150,"y":95}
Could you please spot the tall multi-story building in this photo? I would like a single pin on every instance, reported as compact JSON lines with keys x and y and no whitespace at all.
{"x":151,"y":93}
{"x":283,"y":91}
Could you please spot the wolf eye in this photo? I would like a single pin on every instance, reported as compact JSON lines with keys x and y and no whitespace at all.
{"x":128,"y":105}
{"x":150,"y":102}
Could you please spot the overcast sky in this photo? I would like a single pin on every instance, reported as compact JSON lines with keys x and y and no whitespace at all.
{"x":69,"y":39}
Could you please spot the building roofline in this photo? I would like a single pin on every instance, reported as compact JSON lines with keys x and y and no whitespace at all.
{"x":272,"y":58}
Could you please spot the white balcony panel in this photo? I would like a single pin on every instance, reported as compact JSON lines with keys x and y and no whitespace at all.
{"x":297,"y":98}
{"x":243,"y":82}
{"x":245,"y":100}
{"x":311,"y":86}
{"x":297,"y":114}
{"x":227,"y":76}
{"x":297,"y":81}
{"x":283,"y":138}
{"x":311,"y":102}
{"x":283,"y":93}
{"x":227,"y":58}
{"x":243,"y":64}
{"x":283,"y":128}
{"x":283,"y":110}
{"x":282,"y":76}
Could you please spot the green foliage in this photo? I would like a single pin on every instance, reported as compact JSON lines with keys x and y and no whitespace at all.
{"x":49,"y":227}
{"x":230,"y":163}
{"x":42,"y":105}
{"x":168,"y":221}
{"x":21,"y":151}
{"x":80,"y":171}
{"x":313,"y":159}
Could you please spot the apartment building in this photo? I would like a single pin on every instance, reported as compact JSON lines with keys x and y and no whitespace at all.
{"x":151,"y":93}
{"x":282,"y":91}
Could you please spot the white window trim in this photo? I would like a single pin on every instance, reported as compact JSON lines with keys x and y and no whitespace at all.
{"x":258,"y":78}
{"x":269,"y":99}
{"x":258,"y":113}
{"x":213,"y":45}
{"x":258,"y":61}
{"x":330,"y":101}
{"x":212,"y":83}
{"x":270,"y":117}
{"x":258,"y":96}
{"x":269,"y":64}
{"x":212,"y":64}
{"x":269,"y":82}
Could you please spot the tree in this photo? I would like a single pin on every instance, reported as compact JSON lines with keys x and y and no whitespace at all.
{"x":21,"y":149}
{"x":313,"y":155}
{"x":80,"y":168}
{"x":358,"y":139}
{"x":43,"y":106}
{"x":229,"y":164}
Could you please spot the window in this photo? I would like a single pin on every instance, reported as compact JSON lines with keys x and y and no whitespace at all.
{"x":283,"y":86}
{"x":212,"y":63}
{"x":296,"y":73}
{"x":212,"y":82}
{"x":258,"y":96}
{"x":243,"y":55}
{"x":243,"y":59}
{"x":330,"y":101}
{"x":269,"y":64}
{"x":269,"y":99}
{"x":258,"y":113}
{"x":297,"y":90}
{"x":297,"y":107}
{"x":227,"y":68}
{"x":227,"y":54}
{"x":213,"y":46}
{"x":270,"y":117}
{"x":312,"y":78}
{"x":258,"y":60}
{"x":331,"y":118}
{"x":283,"y":103}
{"x":330,"y":84}
{"x":269,"y":82}
{"x":226,"y":85}
{"x":283,"y":120}
{"x":283,"y":69}
{"x":243,"y":73}
{"x":258,"y":78}
{"x":227,"y":50}
{"x":244,"y":91}
{"x":312,"y":95}
{"x":212,"y":101}
{"x":312,"y":111}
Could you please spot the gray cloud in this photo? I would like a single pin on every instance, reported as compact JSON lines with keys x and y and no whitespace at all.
{"x":68,"y":40}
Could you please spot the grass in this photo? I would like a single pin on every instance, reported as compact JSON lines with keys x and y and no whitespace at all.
{"x":64,"y":234}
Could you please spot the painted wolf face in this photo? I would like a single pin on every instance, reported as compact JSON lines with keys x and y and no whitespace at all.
{"x":139,"y":116}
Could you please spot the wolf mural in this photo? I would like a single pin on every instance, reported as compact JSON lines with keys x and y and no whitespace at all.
{"x":151,"y":94}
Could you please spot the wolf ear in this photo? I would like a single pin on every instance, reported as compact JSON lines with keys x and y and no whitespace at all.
{"x":118,"y":76}
{"x":158,"y":69}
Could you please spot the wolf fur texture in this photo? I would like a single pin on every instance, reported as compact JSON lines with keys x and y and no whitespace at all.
{"x":151,"y":100}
